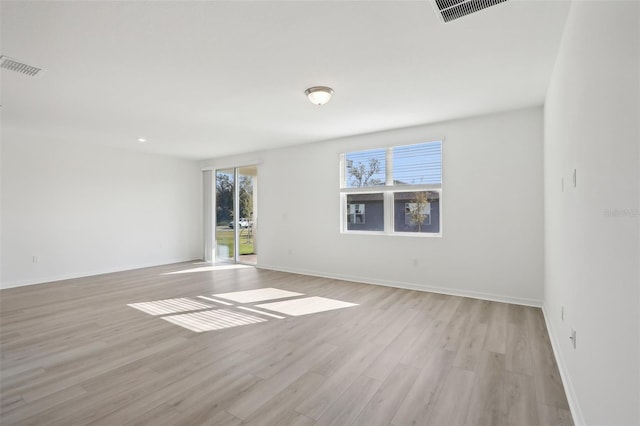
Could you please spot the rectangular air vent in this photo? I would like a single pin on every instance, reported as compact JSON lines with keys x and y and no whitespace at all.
{"x":13,"y":65}
{"x":450,"y":10}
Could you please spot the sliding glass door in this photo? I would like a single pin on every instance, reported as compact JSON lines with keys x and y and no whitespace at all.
{"x":236,"y":215}
{"x":225,"y":214}
{"x":248,"y":220}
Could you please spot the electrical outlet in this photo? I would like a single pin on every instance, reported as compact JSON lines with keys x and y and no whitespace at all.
{"x":575,"y":178}
{"x":562,"y":313}
{"x":36,"y":259}
{"x":562,"y":184}
{"x":573,"y":338}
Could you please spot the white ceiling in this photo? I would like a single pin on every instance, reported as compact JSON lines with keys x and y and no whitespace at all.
{"x":211,"y":78}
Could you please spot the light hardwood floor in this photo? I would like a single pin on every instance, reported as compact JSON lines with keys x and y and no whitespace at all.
{"x":74,"y":353}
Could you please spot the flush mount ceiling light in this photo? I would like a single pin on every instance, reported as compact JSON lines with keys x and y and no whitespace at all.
{"x":319,"y":95}
{"x":141,"y":140}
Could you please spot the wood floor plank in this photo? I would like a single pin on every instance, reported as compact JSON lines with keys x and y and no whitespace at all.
{"x":162,"y":414}
{"x":554,"y":416}
{"x":496,"y":340}
{"x":487,"y":406}
{"x":224,"y":386}
{"x":55,"y":380}
{"x":280,"y":407}
{"x":520,"y":391}
{"x":263,"y":391}
{"x":29,"y":409}
{"x":447,"y":309}
{"x":214,"y":417}
{"x":177,"y":393}
{"x":384,"y":404}
{"x":386,"y":362}
{"x":518,"y":353}
{"x":346,"y":409}
{"x":198,"y":405}
{"x":414,"y":407}
{"x":423,"y":345}
{"x":517,"y":314}
{"x":395,"y":326}
{"x":293,"y":418}
{"x":482,"y":311}
{"x":353,"y":365}
{"x":450,"y":404}
{"x":470,"y":350}
{"x":120,"y":405}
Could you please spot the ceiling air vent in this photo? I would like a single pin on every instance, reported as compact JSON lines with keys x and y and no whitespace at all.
{"x":13,"y":65}
{"x":450,"y":10}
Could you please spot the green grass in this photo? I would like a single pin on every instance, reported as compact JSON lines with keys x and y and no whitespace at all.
{"x":225,"y":238}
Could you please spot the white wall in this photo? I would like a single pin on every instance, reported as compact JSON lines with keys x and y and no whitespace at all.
{"x":591,"y":231}
{"x":492,"y":211}
{"x":85,"y":209}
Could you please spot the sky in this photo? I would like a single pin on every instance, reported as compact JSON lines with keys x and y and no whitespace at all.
{"x":417,"y":164}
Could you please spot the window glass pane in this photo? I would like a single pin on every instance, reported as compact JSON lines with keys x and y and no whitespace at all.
{"x":417,"y":211}
{"x":225,"y":237}
{"x":365,"y":212}
{"x":247,"y":216}
{"x":365,"y":168}
{"x":419,"y":164}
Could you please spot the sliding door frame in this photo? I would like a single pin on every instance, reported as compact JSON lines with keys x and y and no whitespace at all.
{"x":211,"y":220}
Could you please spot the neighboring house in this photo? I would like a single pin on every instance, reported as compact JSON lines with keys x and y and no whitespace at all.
{"x":365,"y":212}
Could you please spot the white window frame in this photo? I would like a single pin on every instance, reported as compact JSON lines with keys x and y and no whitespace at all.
{"x":388,"y":190}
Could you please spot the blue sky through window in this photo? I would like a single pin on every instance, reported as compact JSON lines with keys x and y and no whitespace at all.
{"x":419,"y":164}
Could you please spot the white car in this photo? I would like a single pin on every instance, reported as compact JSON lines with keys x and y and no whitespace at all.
{"x":242,"y":222}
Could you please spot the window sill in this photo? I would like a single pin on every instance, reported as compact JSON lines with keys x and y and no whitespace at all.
{"x":395,"y":234}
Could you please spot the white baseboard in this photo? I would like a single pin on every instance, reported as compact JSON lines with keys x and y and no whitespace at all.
{"x":572,"y":399}
{"x":410,"y":286}
{"x":44,"y":280}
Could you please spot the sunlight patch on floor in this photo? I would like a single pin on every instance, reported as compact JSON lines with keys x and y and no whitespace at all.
{"x":211,"y":299}
{"x":169,"y":306}
{"x":305,"y":306}
{"x":209,"y":268}
{"x":211,"y":317}
{"x":260,"y":312}
{"x":250,"y":296}
{"x":212,"y":320}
